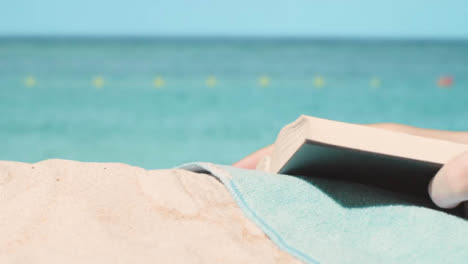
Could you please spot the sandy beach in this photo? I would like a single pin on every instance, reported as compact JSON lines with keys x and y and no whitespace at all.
{"x":60,"y":211}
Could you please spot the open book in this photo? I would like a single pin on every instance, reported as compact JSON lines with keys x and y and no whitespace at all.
{"x":388,"y":159}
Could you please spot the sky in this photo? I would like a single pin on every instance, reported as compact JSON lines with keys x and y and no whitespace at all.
{"x":292,"y":18}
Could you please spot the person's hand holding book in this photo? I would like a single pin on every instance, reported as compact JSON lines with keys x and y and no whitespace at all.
{"x":448,"y":188}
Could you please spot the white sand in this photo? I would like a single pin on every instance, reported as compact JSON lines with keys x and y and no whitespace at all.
{"x":59,"y":211}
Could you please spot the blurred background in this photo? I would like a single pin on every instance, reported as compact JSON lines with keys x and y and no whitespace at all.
{"x":160,"y":83}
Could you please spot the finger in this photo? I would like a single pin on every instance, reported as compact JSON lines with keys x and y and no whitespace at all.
{"x":250,"y":162}
{"x":449,"y":187}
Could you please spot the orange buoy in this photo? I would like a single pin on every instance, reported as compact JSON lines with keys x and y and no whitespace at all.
{"x":445,"y":81}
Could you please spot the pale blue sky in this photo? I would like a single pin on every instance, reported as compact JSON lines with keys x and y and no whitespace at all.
{"x":331,"y":18}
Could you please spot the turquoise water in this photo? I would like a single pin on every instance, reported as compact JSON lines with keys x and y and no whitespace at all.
{"x":98,"y":100}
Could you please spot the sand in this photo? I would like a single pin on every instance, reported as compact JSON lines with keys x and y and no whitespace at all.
{"x":59,"y":211}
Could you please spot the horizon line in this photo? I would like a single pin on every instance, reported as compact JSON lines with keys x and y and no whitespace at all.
{"x":234,"y":37}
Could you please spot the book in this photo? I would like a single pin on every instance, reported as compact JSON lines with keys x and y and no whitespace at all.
{"x":392,"y":160}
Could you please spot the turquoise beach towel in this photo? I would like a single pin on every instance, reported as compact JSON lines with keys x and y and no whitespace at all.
{"x":324,"y":221}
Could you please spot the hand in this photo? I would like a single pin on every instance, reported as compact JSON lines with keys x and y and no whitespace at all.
{"x":447,"y":189}
{"x":251,"y":161}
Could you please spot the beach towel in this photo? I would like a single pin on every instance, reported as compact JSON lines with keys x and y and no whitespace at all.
{"x":325,"y":221}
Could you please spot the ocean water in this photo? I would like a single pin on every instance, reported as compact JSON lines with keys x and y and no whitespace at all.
{"x":157,"y":103}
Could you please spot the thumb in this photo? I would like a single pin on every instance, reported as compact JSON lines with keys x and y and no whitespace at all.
{"x":449,"y":187}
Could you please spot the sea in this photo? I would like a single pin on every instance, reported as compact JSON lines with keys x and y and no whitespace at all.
{"x":161,"y":102}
